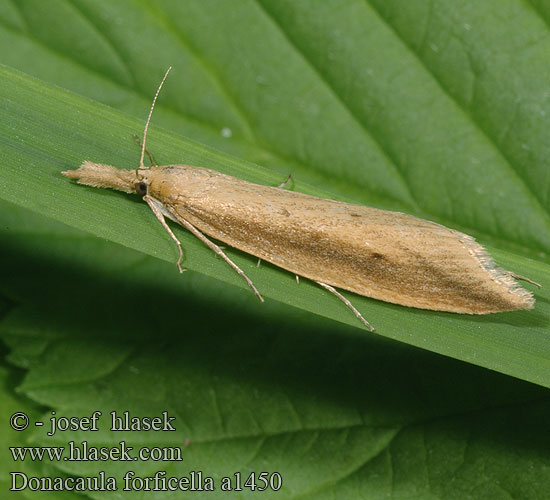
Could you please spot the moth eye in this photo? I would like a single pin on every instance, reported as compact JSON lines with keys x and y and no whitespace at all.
{"x":140,"y":187}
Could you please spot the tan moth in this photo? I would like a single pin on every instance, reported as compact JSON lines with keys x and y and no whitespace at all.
{"x":385,"y":255}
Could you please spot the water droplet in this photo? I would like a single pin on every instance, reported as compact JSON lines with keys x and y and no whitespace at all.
{"x":226,"y":132}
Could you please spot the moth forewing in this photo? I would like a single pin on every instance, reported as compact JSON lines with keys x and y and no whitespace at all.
{"x":376,"y":253}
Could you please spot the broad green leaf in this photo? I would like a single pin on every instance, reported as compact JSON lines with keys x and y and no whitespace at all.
{"x":10,"y":404}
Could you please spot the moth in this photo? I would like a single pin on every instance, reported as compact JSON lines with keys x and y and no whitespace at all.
{"x":385,"y":255}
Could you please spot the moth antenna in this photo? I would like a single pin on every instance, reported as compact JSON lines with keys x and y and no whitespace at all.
{"x":141,"y":164}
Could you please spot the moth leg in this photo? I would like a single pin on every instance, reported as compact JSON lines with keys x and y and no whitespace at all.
{"x":523,"y":278}
{"x":297,"y":279}
{"x":151,"y":159}
{"x":219,"y":252}
{"x":259,"y":262}
{"x":348,"y":303}
{"x":285,"y":182}
{"x":160,"y":216}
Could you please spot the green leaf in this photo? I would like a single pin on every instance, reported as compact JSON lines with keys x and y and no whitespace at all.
{"x":439,"y":109}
